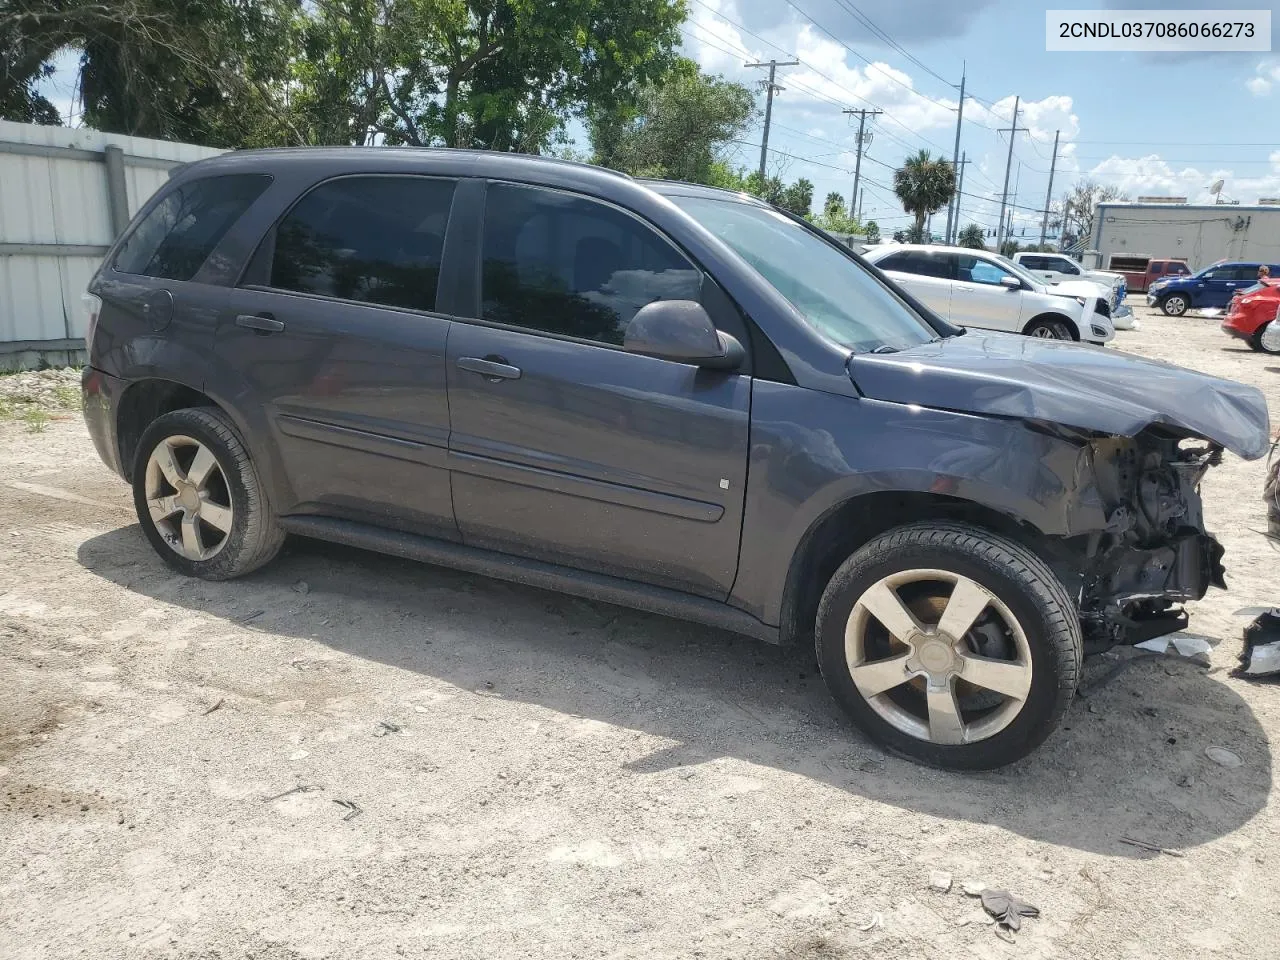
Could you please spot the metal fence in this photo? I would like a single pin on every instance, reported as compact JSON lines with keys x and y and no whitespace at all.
{"x":64,"y":196}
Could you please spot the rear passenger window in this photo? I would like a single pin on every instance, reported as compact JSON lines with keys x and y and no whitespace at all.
{"x":177,"y":236}
{"x":370,"y":239}
{"x":1036,"y":263}
{"x":568,"y":265}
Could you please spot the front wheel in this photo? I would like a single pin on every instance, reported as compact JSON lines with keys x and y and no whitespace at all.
{"x":1049,"y":330}
{"x":950,"y":645}
{"x":199,"y":498}
{"x":1175,"y":305}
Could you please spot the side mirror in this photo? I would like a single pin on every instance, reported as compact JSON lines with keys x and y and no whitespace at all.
{"x":1010,"y":283}
{"x":680,"y":330}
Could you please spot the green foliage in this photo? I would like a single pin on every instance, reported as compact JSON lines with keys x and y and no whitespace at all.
{"x":872,"y":230}
{"x":1009,"y":247}
{"x":673,"y":129}
{"x":36,"y":420}
{"x":915,"y":234}
{"x":972,"y":237}
{"x":924,"y":184}
{"x":797,"y":197}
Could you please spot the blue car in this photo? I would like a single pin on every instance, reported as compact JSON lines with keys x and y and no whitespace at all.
{"x":1211,"y":287}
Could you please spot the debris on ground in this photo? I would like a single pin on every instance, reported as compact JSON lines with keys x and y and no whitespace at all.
{"x":875,"y":922}
{"x":973,"y":888}
{"x":1007,"y":909}
{"x":353,"y":809}
{"x":1142,"y":844}
{"x":302,"y":587}
{"x":976,"y":917}
{"x":216,"y":706}
{"x":1261,"y":654}
{"x":940,"y":881}
{"x":1195,"y":649}
{"x":1223,"y":757}
{"x":301,"y":788}
{"x":385,"y":727}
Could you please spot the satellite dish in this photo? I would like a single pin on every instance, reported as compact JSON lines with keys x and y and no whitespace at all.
{"x":1217,"y":187}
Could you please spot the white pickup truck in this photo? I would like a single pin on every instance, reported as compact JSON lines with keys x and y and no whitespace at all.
{"x":1055,"y":268}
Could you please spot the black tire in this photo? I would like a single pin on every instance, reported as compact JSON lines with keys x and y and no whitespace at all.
{"x":1175,"y":304}
{"x":1018,"y":578}
{"x":1048,"y":329}
{"x":1255,"y":342}
{"x":255,"y":536}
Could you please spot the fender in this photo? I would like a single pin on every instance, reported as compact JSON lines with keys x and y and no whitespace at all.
{"x":801,"y":470}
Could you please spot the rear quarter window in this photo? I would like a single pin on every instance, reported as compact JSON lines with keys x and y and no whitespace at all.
{"x":176,"y":237}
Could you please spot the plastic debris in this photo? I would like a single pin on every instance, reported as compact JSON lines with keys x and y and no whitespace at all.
{"x":940,"y":881}
{"x":216,"y":706}
{"x":385,"y":727}
{"x":353,"y":809}
{"x":1180,"y":645}
{"x":1007,"y":909}
{"x":299,"y":755}
{"x":301,"y":788}
{"x":1261,"y":654}
{"x":874,"y":923}
{"x":977,"y":916}
{"x":1223,"y":757}
{"x":1142,"y":844}
{"x":973,"y":888}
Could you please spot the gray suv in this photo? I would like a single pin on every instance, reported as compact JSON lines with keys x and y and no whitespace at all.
{"x":659,"y":395}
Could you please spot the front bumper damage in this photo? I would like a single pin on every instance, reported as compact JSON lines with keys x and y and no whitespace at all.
{"x":1154,"y":553}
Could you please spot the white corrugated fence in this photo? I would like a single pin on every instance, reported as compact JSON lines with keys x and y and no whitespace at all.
{"x":64,"y":195}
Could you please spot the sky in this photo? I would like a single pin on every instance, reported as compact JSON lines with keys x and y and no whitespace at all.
{"x":1149,"y":123}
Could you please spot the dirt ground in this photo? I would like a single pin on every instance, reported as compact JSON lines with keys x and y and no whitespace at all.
{"x":569,"y":779}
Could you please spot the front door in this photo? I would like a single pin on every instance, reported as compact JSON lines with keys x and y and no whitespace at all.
{"x":978,"y":296}
{"x":335,"y":333}
{"x":566,"y":448}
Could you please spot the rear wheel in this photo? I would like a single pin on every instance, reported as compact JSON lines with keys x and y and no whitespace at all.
{"x":1175,"y":305}
{"x":1048,"y":330}
{"x":1263,"y":343}
{"x":950,"y":645}
{"x":199,"y":499}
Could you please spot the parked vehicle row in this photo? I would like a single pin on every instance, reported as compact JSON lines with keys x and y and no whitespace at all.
{"x":1141,"y":272}
{"x":1212,"y":287}
{"x":1054,"y":268}
{"x":1254,"y":316}
{"x":975,"y":288}
{"x":661,"y":395}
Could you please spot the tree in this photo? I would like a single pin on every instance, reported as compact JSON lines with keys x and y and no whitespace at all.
{"x":675,"y":129}
{"x":1078,"y":206}
{"x":797,"y":197}
{"x":1008,"y":248}
{"x":873,"y":231}
{"x":925,"y":185}
{"x":834,"y":204}
{"x":972,"y":237}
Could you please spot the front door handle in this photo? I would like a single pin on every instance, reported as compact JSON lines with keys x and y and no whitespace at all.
{"x":493,"y":368}
{"x":261,"y":322}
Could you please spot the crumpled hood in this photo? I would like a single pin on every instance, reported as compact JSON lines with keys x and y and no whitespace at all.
{"x":1080,"y":288}
{"x":1075,"y":385}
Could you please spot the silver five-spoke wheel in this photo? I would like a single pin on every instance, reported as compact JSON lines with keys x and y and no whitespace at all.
{"x":187,"y":497}
{"x":938,"y":656}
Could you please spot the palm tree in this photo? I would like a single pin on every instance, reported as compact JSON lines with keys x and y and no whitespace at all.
{"x":972,"y":236}
{"x":925,"y":185}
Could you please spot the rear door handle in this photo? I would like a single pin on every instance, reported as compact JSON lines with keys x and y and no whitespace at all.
{"x":492,"y":368}
{"x":262,"y":322}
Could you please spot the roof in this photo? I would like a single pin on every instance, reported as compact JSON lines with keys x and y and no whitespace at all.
{"x":1219,"y":208}
{"x":930,"y":247}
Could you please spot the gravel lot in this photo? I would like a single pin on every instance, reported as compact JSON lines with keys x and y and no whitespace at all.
{"x":568,"y":779}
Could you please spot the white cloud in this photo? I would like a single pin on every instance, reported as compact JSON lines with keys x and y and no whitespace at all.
{"x":1152,"y":176}
{"x":1266,"y":77}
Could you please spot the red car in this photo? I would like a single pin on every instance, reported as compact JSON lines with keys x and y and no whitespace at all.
{"x":1253,"y":316}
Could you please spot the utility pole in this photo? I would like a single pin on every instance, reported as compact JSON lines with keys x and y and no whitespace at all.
{"x":857,"y":166}
{"x":770,"y":87}
{"x":861,"y":193}
{"x":952,"y":219}
{"x":1048,"y":194}
{"x":964,"y":162}
{"x":1008,"y":167}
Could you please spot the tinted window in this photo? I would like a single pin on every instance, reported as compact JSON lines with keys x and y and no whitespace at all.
{"x":1157,"y":268}
{"x":896,"y":261}
{"x":1062,"y":266}
{"x":175,"y":238}
{"x":571,"y":266}
{"x":370,"y":239}
{"x":916,"y":261}
{"x":1035,"y":263}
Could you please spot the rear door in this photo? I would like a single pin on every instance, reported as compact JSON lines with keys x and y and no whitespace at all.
{"x":338,"y":333}
{"x":566,"y":448}
{"x":925,"y":274}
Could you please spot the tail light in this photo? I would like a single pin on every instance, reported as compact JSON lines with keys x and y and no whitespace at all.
{"x":92,"y":306}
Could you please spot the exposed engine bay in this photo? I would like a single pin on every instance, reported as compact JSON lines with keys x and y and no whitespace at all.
{"x":1154,"y":553}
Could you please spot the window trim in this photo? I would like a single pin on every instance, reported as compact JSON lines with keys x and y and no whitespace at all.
{"x":477,"y":306}
{"x":159,"y":197}
{"x":269,"y":237}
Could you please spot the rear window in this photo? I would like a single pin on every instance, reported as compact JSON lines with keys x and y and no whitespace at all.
{"x":177,"y":236}
{"x":369,"y":239}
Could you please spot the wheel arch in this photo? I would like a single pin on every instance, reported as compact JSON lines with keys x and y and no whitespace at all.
{"x":141,"y":403}
{"x":1051,"y":316}
{"x":845,"y":527}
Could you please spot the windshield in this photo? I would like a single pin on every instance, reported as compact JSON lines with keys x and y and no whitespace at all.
{"x":838,"y":298}
{"x":1021,"y":272}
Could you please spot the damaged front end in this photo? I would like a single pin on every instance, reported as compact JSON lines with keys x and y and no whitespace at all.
{"x":1154,"y":553}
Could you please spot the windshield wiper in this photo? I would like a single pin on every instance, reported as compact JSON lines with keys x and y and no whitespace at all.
{"x":885,"y":348}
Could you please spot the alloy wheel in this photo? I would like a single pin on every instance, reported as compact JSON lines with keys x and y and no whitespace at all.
{"x":187,"y":498}
{"x":938,"y":656}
